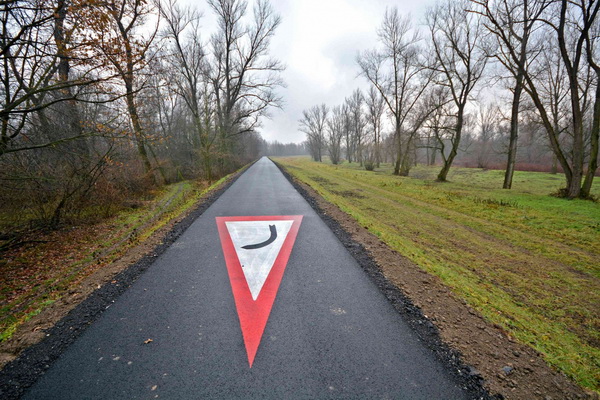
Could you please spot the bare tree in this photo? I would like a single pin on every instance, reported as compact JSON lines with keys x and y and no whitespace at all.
{"x":46,"y":69}
{"x":572,"y":24}
{"x":357,"y":120}
{"x":68,"y":109}
{"x":488,"y":119}
{"x":553,"y":92}
{"x":438,"y":122}
{"x":512,"y":23}
{"x":398,"y":72}
{"x":335,"y":133}
{"x":169,"y":121}
{"x":348,"y":131}
{"x":459,"y":62}
{"x":313,"y":123}
{"x":375,"y":110}
{"x":188,"y":59}
{"x":36,"y":48}
{"x":591,"y":47}
{"x":243,"y":75}
{"x":125,"y":48}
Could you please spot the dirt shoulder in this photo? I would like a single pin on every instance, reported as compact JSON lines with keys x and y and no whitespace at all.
{"x":39,"y":342}
{"x":456,"y":333}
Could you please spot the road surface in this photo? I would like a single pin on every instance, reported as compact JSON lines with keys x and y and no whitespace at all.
{"x":330,"y":332}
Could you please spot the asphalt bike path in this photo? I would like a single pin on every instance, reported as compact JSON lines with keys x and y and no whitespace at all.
{"x":190,"y":327}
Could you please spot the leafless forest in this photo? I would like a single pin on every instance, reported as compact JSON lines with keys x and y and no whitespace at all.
{"x":488,"y":83}
{"x":107,"y":99}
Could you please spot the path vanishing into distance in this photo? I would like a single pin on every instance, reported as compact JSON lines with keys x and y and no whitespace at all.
{"x":256,"y":299}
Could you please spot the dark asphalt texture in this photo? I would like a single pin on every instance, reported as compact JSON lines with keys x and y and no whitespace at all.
{"x":331,"y":332}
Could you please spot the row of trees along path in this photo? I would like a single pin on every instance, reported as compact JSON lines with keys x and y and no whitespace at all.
{"x":544,"y":53}
{"x":106,"y":96}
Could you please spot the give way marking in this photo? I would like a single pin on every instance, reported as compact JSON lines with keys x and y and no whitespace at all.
{"x":256,"y":251}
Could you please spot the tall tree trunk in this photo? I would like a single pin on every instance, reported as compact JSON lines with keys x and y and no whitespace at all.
{"x":206,"y":160}
{"x":359,"y":155}
{"x":514,"y":116}
{"x":514,"y":133}
{"x":348,"y":148}
{"x":68,"y":108}
{"x":574,"y":184}
{"x":593,"y":161}
{"x":57,"y":214}
{"x":454,"y":150}
{"x":138,"y":131}
{"x":443,"y":174}
{"x":161,"y":170}
{"x":377,"y":147}
{"x":572,"y":67}
{"x":550,"y":129}
{"x":398,"y":148}
{"x":127,"y":74}
{"x":406,"y":161}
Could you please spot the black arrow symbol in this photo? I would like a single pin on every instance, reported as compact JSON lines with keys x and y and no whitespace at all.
{"x":266,"y":242}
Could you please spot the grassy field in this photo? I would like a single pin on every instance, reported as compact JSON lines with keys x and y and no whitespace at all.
{"x":526,"y":260}
{"x":39,"y":273}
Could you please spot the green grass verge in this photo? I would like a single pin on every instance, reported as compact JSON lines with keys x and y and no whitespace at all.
{"x":527,"y":261}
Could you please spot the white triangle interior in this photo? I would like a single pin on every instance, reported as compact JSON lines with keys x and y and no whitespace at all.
{"x":257,"y":263}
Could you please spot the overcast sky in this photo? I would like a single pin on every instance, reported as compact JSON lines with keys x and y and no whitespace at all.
{"x":318,"y":41}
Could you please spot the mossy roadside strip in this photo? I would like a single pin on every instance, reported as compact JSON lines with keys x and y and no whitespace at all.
{"x":22,"y":372}
{"x":37,"y":276}
{"x":528,"y":262}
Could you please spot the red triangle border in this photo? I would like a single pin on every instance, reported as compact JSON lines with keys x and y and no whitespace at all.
{"x":253,"y":315}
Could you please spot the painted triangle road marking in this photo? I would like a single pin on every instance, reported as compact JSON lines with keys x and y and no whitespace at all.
{"x":256,"y":251}
{"x":257,"y":262}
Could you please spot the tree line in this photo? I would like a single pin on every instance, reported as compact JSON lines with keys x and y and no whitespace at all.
{"x":103,"y":99}
{"x":476,"y":74}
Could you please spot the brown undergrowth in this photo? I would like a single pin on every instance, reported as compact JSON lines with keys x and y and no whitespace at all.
{"x":52,"y":272}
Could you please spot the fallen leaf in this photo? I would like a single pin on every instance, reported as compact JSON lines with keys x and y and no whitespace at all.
{"x":154,"y":387}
